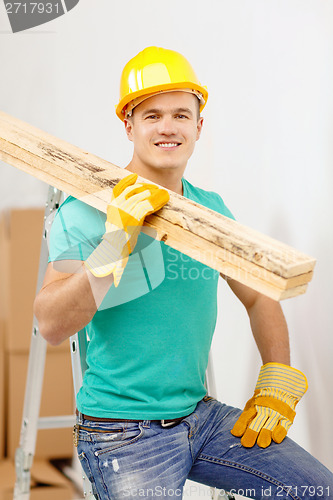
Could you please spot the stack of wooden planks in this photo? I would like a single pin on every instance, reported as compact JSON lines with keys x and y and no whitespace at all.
{"x":236,"y":251}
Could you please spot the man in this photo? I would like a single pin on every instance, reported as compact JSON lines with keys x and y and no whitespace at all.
{"x":145,"y":424}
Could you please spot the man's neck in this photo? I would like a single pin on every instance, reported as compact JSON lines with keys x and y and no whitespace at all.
{"x":170,"y":179}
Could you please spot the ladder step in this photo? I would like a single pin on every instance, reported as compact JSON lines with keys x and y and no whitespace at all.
{"x":56,"y":422}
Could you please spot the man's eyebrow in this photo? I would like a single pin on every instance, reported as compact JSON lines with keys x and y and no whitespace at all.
{"x":184,"y":110}
{"x":152,"y":111}
{"x":157,"y":111}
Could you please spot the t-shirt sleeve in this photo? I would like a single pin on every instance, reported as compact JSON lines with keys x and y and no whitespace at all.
{"x":221,"y":207}
{"x":209,"y":199}
{"x":76,"y":230}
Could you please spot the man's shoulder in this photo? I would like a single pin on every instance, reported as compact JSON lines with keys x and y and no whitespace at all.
{"x":76,"y":230}
{"x":209,"y":199}
{"x":74,"y":211}
{"x":77,"y":219}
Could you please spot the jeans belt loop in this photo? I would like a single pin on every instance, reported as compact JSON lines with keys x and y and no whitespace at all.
{"x":80,"y":417}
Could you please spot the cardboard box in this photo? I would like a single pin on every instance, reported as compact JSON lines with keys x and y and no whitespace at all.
{"x":47,"y":483}
{"x":2,"y":395}
{"x":3,"y":308}
{"x":21,"y":233}
{"x":57,"y":400}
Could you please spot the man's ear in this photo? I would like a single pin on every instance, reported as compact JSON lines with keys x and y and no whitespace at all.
{"x":128,"y":128}
{"x":199,"y":126}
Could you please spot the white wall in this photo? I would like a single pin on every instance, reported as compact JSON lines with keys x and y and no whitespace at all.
{"x":266,"y":146}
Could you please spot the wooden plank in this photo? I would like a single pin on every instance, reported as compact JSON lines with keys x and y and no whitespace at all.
{"x":264,"y":264}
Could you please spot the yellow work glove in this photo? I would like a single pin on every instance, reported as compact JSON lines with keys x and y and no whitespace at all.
{"x":130,"y":204}
{"x":270,"y":412}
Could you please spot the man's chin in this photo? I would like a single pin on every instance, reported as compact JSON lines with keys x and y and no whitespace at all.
{"x":167,"y":166}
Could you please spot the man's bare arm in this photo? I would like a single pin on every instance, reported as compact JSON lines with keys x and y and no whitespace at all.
{"x":68,"y":301}
{"x":268,"y":323}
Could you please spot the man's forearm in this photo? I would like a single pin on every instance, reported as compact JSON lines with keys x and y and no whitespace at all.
{"x":66,"y":305}
{"x":270,"y":330}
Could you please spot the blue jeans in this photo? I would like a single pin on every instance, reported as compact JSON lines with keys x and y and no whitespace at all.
{"x":143,"y":459}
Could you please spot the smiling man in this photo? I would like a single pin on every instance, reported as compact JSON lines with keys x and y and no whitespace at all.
{"x":145,"y":423}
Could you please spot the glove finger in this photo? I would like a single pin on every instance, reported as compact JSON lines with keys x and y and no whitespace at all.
{"x":132,"y":193}
{"x":158,"y":199}
{"x":253,"y":431}
{"x":127,"y":181}
{"x":134,"y":204}
{"x":138,"y":188}
{"x":243,"y":421}
{"x":249,"y":438}
{"x":134,"y":201}
{"x":265,"y":434}
{"x":281,"y":430}
{"x":264,"y":438}
{"x":140,"y":208}
{"x":152,"y":203}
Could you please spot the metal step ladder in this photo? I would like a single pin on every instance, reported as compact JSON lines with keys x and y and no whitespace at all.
{"x":31,"y":421}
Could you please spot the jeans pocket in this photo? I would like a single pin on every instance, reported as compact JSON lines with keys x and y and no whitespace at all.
{"x":96,"y":433}
{"x":107,"y":442}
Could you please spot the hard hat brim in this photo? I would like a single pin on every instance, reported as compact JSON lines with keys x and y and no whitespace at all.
{"x":151,"y":91}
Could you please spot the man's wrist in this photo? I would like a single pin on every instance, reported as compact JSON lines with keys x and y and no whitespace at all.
{"x":99,"y":285}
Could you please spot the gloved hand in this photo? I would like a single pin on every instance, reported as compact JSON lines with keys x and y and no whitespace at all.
{"x":130,"y":204}
{"x":270,"y":412}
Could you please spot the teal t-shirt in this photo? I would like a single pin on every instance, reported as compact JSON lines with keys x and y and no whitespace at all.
{"x":150,"y":338}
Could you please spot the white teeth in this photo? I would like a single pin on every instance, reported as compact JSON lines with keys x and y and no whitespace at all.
{"x":168,"y":144}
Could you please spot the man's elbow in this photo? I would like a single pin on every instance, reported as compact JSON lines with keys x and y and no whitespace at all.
{"x":51,"y":335}
{"x":46,"y":326}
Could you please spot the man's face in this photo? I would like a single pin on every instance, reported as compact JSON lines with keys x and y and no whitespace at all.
{"x":164,"y":129}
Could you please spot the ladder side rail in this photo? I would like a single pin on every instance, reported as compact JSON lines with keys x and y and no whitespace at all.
{"x":34,"y":382}
{"x":210,"y":377}
{"x":79,"y":343}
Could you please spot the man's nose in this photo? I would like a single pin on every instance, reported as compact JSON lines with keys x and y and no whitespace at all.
{"x":167,"y":126}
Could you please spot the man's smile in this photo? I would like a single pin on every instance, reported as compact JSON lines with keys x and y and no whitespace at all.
{"x":167,"y":145}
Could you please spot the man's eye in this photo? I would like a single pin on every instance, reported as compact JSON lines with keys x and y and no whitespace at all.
{"x":151,"y":117}
{"x":181,"y":116}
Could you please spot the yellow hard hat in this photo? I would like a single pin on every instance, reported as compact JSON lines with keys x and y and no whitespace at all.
{"x":156,"y":70}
